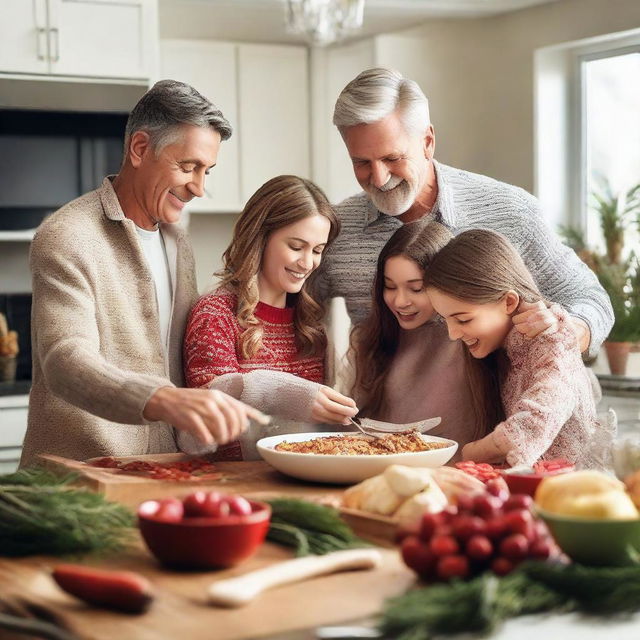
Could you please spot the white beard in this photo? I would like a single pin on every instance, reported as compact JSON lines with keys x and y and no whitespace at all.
{"x":394,"y":198}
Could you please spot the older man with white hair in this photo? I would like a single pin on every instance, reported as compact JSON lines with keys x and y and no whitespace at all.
{"x":384,"y":121}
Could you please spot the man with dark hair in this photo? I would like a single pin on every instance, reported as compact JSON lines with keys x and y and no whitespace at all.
{"x":113,"y":282}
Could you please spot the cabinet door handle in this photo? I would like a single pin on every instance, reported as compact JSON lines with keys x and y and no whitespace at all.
{"x":56,"y":50}
{"x":40,"y":32}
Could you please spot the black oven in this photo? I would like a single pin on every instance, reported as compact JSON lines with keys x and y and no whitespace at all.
{"x":48,"y":158}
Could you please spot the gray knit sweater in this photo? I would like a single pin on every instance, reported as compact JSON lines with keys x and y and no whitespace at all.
{"x":466,"y":201}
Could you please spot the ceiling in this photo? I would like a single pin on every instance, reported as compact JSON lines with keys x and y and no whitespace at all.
{"x":263,"y":20}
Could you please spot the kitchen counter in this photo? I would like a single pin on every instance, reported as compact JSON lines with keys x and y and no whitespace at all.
{"x":180,"y":609}
{"x":291,"y":612}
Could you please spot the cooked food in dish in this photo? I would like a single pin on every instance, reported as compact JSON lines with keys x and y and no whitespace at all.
{"x":361,"y":445}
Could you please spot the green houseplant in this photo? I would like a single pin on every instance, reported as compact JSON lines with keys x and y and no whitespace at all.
{"x":618,"y":273}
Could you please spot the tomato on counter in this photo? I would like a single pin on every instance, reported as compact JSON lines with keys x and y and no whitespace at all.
{"x":487,"y":531}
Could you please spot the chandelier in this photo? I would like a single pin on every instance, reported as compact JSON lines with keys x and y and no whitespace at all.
{"x":324,"y":21}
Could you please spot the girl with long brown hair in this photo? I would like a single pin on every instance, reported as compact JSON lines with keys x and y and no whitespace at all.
{"x":389,"y":349}
{"x":477,"y":283}
{"x":259,"y":335}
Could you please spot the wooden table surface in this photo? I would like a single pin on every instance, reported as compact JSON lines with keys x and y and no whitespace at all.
{"x":180,"y":609}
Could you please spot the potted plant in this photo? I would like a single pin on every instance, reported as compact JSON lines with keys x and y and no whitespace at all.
{"x":618,"y":273}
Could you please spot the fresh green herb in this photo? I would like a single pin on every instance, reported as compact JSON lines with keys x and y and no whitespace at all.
{"x":606,"y":590}
{"x":310,"y":528}
{"x":41,"y":513}
{"x":479,"y":605}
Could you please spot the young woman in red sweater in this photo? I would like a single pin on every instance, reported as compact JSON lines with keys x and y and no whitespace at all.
{"x":259,"y":335}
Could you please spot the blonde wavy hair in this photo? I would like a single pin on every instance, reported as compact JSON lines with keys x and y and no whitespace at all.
{"x":279,"y":202}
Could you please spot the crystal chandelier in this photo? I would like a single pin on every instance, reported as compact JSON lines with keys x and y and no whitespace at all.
{"x":324,"y":21}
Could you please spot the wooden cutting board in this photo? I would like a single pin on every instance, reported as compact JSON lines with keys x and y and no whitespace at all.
{"x":255,"y":479}
{"x":180,"y":609}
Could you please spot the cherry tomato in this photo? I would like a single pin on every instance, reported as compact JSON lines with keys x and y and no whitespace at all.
{"x":464,"y":527}
{"x":479,"y":547}
{"x":518,"y":501}
{"x":502,"y":566}
{"x":215,"y":506}
{"x":498,"y":487}
{"x":169,"y":510}
{"x":514,"y":547}
{"x":520,"y":521}
{"x":448,"y":513}
{"x":238,"y":505}
{"x":465,"y":503}
{"x":452,"y":566}
{"x":429,"y":523}
{"x":443,"y":545}
{"x":496,"y":527}
{"x":417,"y":555}
{"x":487,"y":506}
{"x":194,"y":504}
{"x":542,"y":549}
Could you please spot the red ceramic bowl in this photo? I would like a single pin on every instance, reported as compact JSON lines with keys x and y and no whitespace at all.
{"x":204,"y":543}
{"x":528,"y":482}
{"x":522,"y":482}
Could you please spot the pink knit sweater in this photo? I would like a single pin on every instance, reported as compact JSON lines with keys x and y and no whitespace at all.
{"x":548,"y":396}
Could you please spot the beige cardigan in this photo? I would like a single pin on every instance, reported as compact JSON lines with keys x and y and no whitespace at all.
{"x":97,"y":352}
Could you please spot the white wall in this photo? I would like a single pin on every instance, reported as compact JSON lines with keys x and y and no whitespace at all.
{"x":478,"y":75}
{"x":210,"y":236}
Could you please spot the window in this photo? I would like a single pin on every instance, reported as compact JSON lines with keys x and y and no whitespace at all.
{"x":610,"y":135}
{"x":587,"y":106}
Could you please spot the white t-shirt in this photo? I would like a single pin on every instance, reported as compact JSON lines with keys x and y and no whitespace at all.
{"x":156,"y":254}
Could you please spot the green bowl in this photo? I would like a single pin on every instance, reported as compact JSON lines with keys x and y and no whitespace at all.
{"x":611,"y":543}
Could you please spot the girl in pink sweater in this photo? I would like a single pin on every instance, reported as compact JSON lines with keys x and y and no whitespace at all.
{"x":477,"y":283}
{"x":259,"y":336}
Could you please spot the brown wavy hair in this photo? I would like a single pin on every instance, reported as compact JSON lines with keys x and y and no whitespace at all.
{"x":374,"y":342}
{"x":480,"y":266}
{"x":279,"y":202}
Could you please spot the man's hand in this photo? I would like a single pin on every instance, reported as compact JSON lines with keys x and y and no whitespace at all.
{"x":583,"y":333}
{"x":208,"y":415}
{"x":534,"y":318}
{"x":331,"y":406}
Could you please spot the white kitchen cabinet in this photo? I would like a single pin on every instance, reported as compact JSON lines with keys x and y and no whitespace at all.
{"x":264,"y":92}
{"x":274,"y":113}
{"x":211,"y":68}
{"x":13,"y":425}
{"x":23,"y":36}
{"x":79,"y":38}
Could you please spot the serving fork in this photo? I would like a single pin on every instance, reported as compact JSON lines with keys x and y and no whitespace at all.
{"x":378,"y":429}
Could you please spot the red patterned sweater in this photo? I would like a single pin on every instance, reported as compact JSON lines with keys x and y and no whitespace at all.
{"x":276,"y":380}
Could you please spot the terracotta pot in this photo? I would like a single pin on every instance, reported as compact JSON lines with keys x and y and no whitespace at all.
{"x":617,"y":355}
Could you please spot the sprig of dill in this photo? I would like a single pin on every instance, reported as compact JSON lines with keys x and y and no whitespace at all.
{"x":479,"y":605}
{"x":309,"y":528}
{"x":41,"y":513}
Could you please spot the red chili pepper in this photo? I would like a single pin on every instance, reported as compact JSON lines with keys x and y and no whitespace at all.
{"x":121,"y":590}
{"x":481,"y":470}
{"x":196,"y":468}
{"x":557,"y":465}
